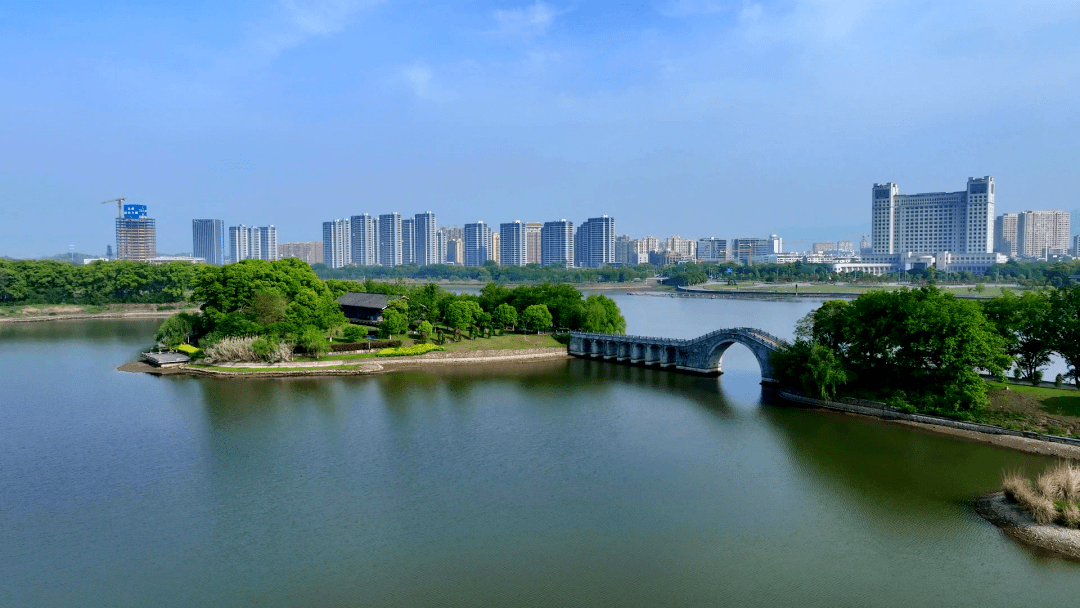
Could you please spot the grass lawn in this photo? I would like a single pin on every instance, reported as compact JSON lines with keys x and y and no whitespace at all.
{"x":502,"y":342}
{"x":1056,"y":411}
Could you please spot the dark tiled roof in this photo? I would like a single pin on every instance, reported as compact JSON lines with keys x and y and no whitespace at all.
{"x":364,"y":300}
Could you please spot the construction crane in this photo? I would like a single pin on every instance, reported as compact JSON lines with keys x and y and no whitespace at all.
{"x":119,"y":206}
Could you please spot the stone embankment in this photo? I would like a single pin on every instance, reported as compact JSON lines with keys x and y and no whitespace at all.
{"x":1017,"y":523}
{"x":1025,"y":441}
{"x":477,"y":358}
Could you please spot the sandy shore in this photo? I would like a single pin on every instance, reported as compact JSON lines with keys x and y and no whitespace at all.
{"x":1018,"y":524}
{"x":362,"y":366}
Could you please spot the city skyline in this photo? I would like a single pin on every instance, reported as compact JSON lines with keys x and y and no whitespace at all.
{"x":255,"y":112}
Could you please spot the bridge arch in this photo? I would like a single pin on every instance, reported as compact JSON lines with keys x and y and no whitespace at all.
{"x":701,"y":355}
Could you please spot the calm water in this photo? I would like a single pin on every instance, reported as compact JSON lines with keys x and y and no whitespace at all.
{"x":564,"y":483}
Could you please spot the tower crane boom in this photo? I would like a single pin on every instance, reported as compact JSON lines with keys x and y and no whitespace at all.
{"x":119,"y":205}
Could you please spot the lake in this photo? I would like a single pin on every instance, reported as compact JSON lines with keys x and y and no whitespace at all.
{"x":573,"y":482}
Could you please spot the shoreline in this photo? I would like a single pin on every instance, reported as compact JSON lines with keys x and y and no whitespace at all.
{"x":363,"y":367}
{"x":67,"y":312}
{"x":1017,"y":524}
{"x":1021,"y":441}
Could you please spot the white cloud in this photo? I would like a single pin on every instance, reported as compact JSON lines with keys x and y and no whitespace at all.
{"x":304,"y":19}
{"x":525,"y":22}
{"x":418,"y":77}
{"x":687,"y":8}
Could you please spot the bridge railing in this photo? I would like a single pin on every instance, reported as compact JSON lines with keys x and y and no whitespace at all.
{"x":752,"y":333}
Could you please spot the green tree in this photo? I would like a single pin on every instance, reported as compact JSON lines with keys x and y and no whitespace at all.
{"x":394,"y":322}
{"x":313,"y":341}
{"x":1063,"y":327}
{"x":425,"y":330}
{"x":537,"y":317}
{"x":1023,"y":322}
{"x":461,"y":314}
{"x":176,"y":330}
{"x":505,"y":316}
{"x":920,"y":340}
{"x":268,"y":307}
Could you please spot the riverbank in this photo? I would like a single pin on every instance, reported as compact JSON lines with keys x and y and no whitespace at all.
{"x":830,"y":291}
{"x":1018,"y":524}
{"x":69,"y":312}
{"x":363,"y":367}
{"x":1022,"y":441}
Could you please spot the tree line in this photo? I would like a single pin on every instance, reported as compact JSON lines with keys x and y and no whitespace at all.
{"x":53,"y":282}
{"x":490,"y":271}
{"x":923,"y":349}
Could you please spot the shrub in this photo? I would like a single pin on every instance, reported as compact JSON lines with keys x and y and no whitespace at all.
{"x":354,"y":333}
{"x":313,"y":341}
{"x":271,"y":350}
{"x":409,"y":351}
{"x":561,"y":338}
{"x":248,"y":348}
{"x":231,"y":349}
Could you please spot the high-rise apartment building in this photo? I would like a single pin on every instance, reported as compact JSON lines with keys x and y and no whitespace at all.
{"x":557,"y":243}
{"x":683,"y":248}
{"x":252,"y":243}
{"x":533,"y":242}
{"x":309,"y":251}
{"x":649,"y":244}
{"x":1005,"y":233}
{"x":268,"y":249}
{"x":337,"y":243}
{"x":208,"y":240}
{"x":408,"y":241}
{"x":427,"y":246}
{"x":513,"y":244}
{"x":364,"y":240}
{"x":958,"y":222}
{"x":1076,"y":245}
{"x":496,"y":247}
{"x":750,"y":249}
{"x":390,"y":239}
{"x":712,"y":249}
{"x":452,"y":234}
{"x":136,"y":234}
{"x":1042,"y":233}
{"x":239,"y":243}
{"x":845,"y":247}
{"x":455,"y":252}
{"x":594,"y":242}
{"x":624,"y":250}
{"x":478,"y":244}
{"x":441,"y":244}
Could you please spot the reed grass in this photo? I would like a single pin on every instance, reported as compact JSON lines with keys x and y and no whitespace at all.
{"x":1052,"y":498}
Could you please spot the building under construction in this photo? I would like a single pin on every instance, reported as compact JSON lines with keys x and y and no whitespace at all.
{"x":136,"y":235}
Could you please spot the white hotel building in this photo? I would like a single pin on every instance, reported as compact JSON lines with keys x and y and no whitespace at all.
{"x":951,"y":231}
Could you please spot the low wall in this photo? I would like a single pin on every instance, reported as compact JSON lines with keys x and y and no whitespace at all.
{"x":880,"y":410}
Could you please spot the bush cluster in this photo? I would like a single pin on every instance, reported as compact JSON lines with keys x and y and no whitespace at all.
{"x":248,"y":349}
{"x":409,"y":351}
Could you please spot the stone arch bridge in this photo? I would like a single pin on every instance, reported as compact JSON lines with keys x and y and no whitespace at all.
{"x":699,"y":355}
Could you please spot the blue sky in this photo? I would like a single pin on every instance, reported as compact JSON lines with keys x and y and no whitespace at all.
{"x":689,"y":117}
